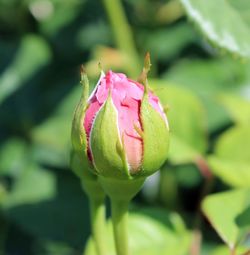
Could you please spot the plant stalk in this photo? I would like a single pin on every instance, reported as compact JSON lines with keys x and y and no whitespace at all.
{"x":123,"y":34}
{"x":98,"y":224}
{"x":119,"y":219}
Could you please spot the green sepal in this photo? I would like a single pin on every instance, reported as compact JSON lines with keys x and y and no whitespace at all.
{"x":121,"y":190}
{"x":106,"y":145}
{"x":155,"y":138}
{"x":79,"y":161}
{"x":81,"y":168}
{"x":78,"y":134}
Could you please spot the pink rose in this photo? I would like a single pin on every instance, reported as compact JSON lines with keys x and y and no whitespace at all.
{"x":126,"y":98}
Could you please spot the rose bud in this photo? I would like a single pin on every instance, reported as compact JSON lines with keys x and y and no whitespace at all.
{"x":123,"y":129}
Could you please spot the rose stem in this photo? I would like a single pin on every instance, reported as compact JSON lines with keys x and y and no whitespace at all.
{"x":119,"y":210}
{"x":98,"y":223}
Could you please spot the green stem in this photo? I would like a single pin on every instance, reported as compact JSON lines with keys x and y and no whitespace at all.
{"x":123,"y":34}
{"x":98,"y":224}
{"x":119,"y":219}
{"x":120,"y":193}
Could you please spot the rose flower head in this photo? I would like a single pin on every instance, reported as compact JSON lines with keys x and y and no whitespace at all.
{"x":121,"y":128}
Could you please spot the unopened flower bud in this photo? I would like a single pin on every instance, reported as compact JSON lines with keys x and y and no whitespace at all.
{"x":123,"y":129}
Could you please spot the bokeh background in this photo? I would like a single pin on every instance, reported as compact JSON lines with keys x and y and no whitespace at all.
{"x":205,"y":88}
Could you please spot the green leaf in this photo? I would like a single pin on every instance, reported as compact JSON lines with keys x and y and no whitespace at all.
{"x":187,"y":121}
{"x":49,"y":247}
{"x":243,"y":7}
{"x":238,"y":107}
{"x":151,"y":232}
{"x":32,"y":55}
{"x":181,"y":152}
{"x":231,"y":158}
{"x":207,"y":78}
{"x":94,"y":34}
{"x":23,"y":193}
{"x":50,"y":206}
{"x":222,"y":211}
{"x":14,"y":156}
{"x":243,"y":220}
{"x":60,"y":14}
{"x":166,"y":43}
{"x":229,"y":31}
{"x":188,"y":176}
{"x":223,"y":250}
{"x":51,"y":139}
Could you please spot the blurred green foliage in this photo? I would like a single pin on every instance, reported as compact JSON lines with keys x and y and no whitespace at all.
{"x":201,"y":74}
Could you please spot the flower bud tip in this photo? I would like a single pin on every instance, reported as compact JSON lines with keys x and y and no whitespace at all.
{"x":147,"y":62}
{"x":143,"y":78}
{"x":85,"y":83}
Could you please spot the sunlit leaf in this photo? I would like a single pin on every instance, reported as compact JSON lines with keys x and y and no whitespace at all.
{"x":222,"y":211}
{"x":187,"y":121}
{"x":206,"y":78}
{"x":230,"y":31}
{"x":223,"y":250}
{"x":231,"y":158}
{"x":238,"y":107}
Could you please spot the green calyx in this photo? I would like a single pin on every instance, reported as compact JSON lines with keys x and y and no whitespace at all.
{"x":78,"y":158}
{"x":155,"y":131}
{"x":155,"y":138}
{"x":79,"y":161}
{"x":121,"y":190}
{"x":80,"y":166}
{"x":89,"y":180}
{"x":78,"y":135}
{"x":106,"y":145}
